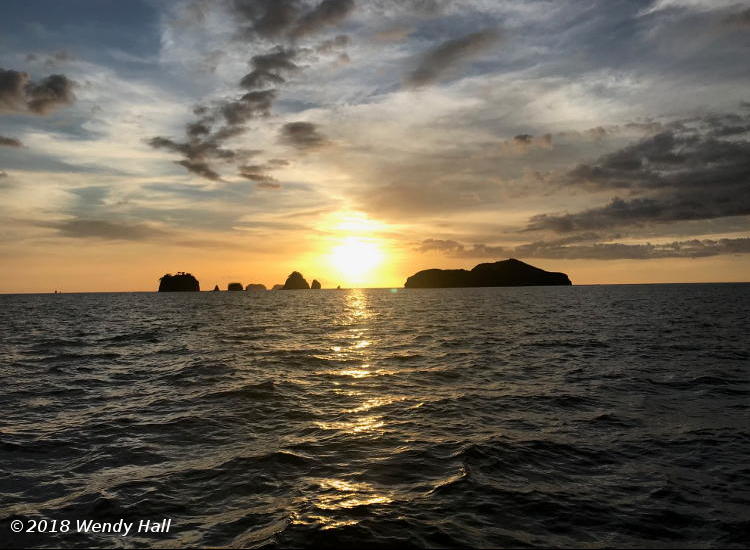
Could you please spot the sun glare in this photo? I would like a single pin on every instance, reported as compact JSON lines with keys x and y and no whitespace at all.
{"x":355,"y":258}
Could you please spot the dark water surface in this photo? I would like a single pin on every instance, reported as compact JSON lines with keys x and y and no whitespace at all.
{"x":559,"y":416}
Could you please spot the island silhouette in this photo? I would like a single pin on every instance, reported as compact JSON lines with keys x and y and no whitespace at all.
{"x":296,"y":281}
{"x":181,"y":282}
{"x":510,"y":272}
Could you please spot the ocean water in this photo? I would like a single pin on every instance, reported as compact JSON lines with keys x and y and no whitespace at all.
{"x":591,"y":416}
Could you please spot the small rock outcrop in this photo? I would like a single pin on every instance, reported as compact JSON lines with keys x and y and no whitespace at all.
{"x":216,"y":288}
{"x":509,"y":272}
{"x":315,"y":285}
{"x":181,"y":282}
{"x":255,"y":287}
{"x":277,"y":287}
{"x":296,"y":281}
{"x":235,"y":287}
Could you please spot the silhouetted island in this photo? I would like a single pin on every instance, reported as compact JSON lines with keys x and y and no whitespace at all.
{"x":296,"y":281}
{"x":255,"y":287}
{"x":509,"y":272}
{"x":235,"y":287}
{"x":315,"y":285}
{"x":277,"y":287}
{"x":181,"y":282}
{"x":216,"y":288}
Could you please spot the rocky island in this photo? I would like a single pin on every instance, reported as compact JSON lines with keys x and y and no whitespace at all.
{"x":315,"y":285}
{"x":235,"y":287}
{"x":296,"y":281}
{"x":181,"y":282}
{"x":509,"y":272}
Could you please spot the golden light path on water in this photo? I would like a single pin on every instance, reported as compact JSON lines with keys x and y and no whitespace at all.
{"x":336,"y":494}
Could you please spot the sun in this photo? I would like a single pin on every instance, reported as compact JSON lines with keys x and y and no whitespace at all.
{"x":355,"y":258}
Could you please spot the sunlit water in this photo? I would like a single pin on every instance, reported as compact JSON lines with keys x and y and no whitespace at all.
{"x":560,"y":416}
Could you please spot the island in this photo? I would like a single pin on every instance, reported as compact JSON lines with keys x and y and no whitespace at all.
{"x":296,"y":281}
{"x":255,"y":287}
{"x":509,"y":272}
{"x":216,"y":288}
{"x":315,"y":285}
{"x":234,"y":287}
{"x":277,"y":287}
{"x":181,"y":282}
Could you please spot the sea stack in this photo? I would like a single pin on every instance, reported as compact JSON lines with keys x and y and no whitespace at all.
{"x":216,"y":288}
{"x":296,"y":281}
{"x":255,"y":287}
{"x":315,"y":285}
{"x":235,"y":287}
{"x":509,"y":272}
{"x":181,"y":282}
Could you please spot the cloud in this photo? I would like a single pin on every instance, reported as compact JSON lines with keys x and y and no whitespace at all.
{"x":287,"y":18}
{"x":268,"y":68}
{"x":9,"y":142}
{"x":559,"y":249}
{"x":695,"y":170}
{"x":523,"y":142}
{"x":281,"y":20}
{"x":268,"y":185}
{"x":302,"y":135}
{"x":267,"y":18}
{"x":19,"y":94}
{"x":106,"y":230}
{"x":257,"y":173}
{"x":328,"y":12}
{"x":436,"y":62}
{"x":251,"y":105}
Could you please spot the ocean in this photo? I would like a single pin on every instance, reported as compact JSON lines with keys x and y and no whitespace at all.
{"x":584,"y":416}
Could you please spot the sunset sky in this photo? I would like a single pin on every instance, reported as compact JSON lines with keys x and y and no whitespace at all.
{"x":361,"y":141}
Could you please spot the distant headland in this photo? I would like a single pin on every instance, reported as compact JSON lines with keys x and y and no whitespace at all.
{"x":509,"y":272}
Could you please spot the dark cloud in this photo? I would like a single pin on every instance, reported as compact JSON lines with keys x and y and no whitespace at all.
{"x":251,"y":105}
{"x":283,"y":21}
{"x":107,"y":230}
{"x":328,"y":12}
{"x":268,"y":185}
{"x":302,"y":135}
{"x":200,"y":168}
{"x":198,"y":154}
{"x":257,"y":173}
{"x":9,"y":142}
{"x":448,"y":54}
{"x":19,"y":94}
{"x":287,"y":18}
{"x":266,"y":18}
{"x":269,"y":68}
{"x":698,"y":169}
{"x":560,"y":249}
{"x":204,"y":146}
